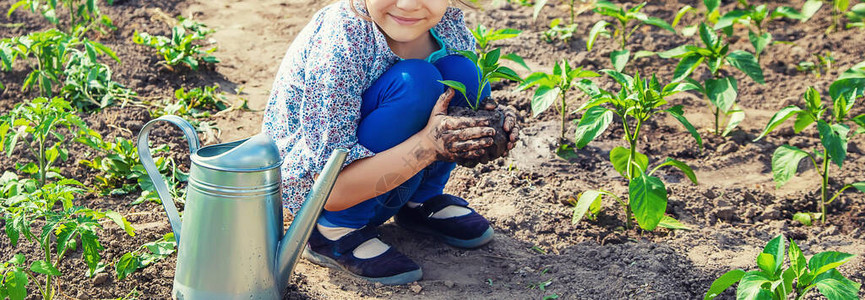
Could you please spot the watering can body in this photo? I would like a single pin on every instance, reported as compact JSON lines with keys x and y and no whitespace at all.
{"x":231,"y":243}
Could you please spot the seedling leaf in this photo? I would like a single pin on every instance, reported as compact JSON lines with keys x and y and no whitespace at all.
{"x":825,"y":261}
{"x":750,"y":287}
{"x":598,"y":29}
{"x":747,"y":63}
{"x":648,"y":200}
{"x":804,"y":218}
{"x":594,"y":122}
{"x":671,"y":223}
{"x":859,"y":186}
{"x":779,"y":117}
{"x":678,"y":113}
{"x":121,"y":221}
{"x":736,"y":116}
{"x":776,"y":249}
{"x":681,"y":166}
{"x":543,"y":98}
{"x":620,"y":58}
{"x":835,"y":286}
{"x":44,"y":267}
{"x":517,"y":59}
{"x":722,"y":283}
{"x":686,"y":66}
{"x":785,"y":162}
{"x":619,"y":158}
{"x":583,"y":203}
{"x":722,"y":92}
{"x":834,"y":140}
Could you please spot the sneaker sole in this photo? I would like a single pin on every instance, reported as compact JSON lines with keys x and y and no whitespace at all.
{"x":485,"y":238}
{"x":398,"y":279}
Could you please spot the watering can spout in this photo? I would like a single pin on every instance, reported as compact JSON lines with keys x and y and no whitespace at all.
{"x":294,"y":241}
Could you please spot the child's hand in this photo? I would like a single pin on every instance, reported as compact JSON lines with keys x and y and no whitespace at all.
{"x":510,"y":124}
{"x":456,"y":138}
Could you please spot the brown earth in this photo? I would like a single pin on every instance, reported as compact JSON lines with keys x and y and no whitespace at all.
{"x":733,"y":212}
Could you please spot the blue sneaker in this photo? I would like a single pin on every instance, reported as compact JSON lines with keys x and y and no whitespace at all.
{"x":390,"y":267}
{"x":467,"y":231}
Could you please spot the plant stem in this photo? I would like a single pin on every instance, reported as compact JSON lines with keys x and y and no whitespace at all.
{"x":48,"y":290}
{"x":564,"y":122}
{"x":42,"y":161}
{"x":717,"y":112}
{"x":572,"y":11}
{"x":824,"y":187}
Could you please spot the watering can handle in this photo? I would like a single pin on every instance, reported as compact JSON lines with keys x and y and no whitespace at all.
{"x":157,"y":178}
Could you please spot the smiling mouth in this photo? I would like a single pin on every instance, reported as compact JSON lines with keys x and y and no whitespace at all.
{"x":405,"y":21}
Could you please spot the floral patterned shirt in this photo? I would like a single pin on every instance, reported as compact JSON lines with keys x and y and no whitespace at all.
{"x":314,"y":105}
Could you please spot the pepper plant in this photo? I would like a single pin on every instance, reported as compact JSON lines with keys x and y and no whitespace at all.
{"x":623,"y":30}
{"x":35,"y":124}
{"x":558,"y":32}
{"x":755,"y":17}
{"x":487,"y":61}
{"x":556,"y":86}
{"x":637,"y":101}
{"x":721,"y":91}
{"x":62,"y":228}
{"x":183,"y":46}
{"x":84,"y":15}
{"x":773,"y":281}
{"x":833,"y":127}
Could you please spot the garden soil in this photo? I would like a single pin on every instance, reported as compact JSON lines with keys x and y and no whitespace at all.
{"x":733,"y":211}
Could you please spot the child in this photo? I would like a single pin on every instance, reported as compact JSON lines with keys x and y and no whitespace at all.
{"x":364,"y":75}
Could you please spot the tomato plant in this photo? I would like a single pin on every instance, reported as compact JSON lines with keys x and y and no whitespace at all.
{"x":623,"y":30}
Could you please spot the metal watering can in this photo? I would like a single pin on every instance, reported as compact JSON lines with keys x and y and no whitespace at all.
{"x":233,"y":245}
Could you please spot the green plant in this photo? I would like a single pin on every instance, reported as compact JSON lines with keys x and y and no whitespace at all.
{"x":183,"y":46}
{"x":487,"y":62}
{"x":773,"y":281}
{"x":13,"y":278}
{"x":555,"y":86}
{"x":635,"y":103}
{"x":721,"y":91}
{"x":822,"y":66}
{"x":623,"y":29}
{"x":83,"y":15}
{"x":35,"y":125}
{"x":556,"y":32}
{"x":755,"y":17}
{"x":575,"y":8}
{"x":856,"y":16}
{"x":89,"y":86}
{"x":145,"y":255}
{"x":51,"y":50}
{"x":832,"y":128}
{"x":61,"y":228}
{"x":122,"y":172}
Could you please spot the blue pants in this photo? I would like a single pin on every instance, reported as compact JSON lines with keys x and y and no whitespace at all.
{"x":394,"y":108}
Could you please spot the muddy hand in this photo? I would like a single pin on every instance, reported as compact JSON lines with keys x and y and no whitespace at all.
{"x":510,"y":123}
{"x":457,"y":137}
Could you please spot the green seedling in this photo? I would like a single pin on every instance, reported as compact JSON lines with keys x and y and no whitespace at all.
{"x":183,"y":46}
{"x":83,"y":15}
{"x":50,"y":51}
{"x":556,"y":86}
{"x":623,"y":30}
{"x":635,"y":103}
{"x":755,"y":17}
{"x":558,"y":32}
{"x":34,"y":125}
{"x":63,"y":228}
{"x":856,"y":16}
{"x":839,"y":8}
{"x":822,"y":66}
{"x":13,"y":278}
{"x":145,"y":255}
{"x":487,"y":61}
{"x":773,"y":281}
{"x":721,"y":91}
{"x":89,"y":86}
{"x":122,"y":172}
{"x":833,"y":127}
{"x":575,"y":8}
